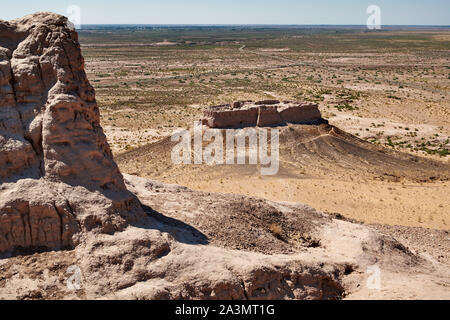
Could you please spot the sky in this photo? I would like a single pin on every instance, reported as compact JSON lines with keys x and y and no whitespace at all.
{"x":334,"y":12}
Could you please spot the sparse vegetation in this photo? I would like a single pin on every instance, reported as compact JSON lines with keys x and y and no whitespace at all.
{"x":276,"y":230}
{"x":141,"y":86}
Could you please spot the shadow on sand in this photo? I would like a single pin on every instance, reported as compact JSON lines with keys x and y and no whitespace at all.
{"x":179,"y":230}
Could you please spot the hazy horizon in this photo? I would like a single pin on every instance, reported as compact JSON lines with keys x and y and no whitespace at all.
{"x":242,"y":12}
{"x":260,"y":24}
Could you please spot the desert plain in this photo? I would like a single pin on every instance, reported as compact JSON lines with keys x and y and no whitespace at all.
{"x":389,"y":88}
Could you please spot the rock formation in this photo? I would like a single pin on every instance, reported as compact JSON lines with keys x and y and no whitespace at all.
{"x":57,"y":171}
{"x":266,"y":113}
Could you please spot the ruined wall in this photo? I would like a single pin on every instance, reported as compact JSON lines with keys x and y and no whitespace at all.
{"x":262,"y":113}
{"x":304,"y":113}
{"x":223,"y":118}
{"x":268,"y":116}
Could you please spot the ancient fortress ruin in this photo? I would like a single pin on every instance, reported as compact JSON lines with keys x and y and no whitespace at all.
{"x":268,"y":113}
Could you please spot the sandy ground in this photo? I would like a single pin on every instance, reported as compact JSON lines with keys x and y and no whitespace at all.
{"x":123,"y":139}
{"x":415,"y":205}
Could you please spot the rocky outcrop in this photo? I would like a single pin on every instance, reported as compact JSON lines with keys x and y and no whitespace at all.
{"x":54,"y":155}
{"x":266,"y":113}
{"x":199,"y":245}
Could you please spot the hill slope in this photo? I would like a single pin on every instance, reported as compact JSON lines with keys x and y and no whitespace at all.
{"x":324,"y":167}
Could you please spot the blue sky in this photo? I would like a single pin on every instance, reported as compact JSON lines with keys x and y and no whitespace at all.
{"x":393,"y":12}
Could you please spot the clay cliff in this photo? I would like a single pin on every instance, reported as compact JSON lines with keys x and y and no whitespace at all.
{"x":55,"y":161}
